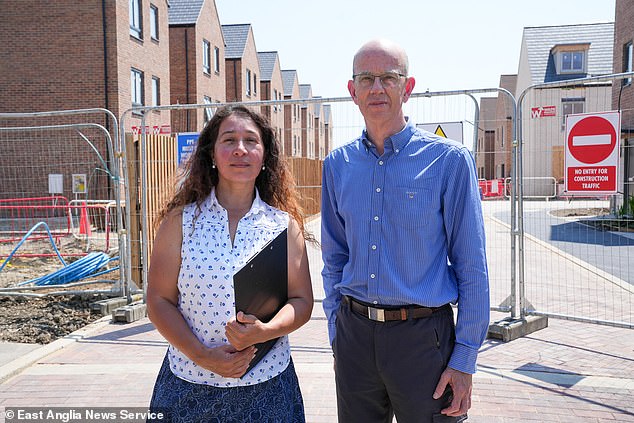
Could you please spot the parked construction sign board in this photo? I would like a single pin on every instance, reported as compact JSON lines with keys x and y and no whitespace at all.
{"x":592,"y":153}
{"x":185,"y":146}
{"x":451,"y":130}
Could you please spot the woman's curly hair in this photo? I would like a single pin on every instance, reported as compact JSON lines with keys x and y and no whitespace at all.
{"x":275,"y":184}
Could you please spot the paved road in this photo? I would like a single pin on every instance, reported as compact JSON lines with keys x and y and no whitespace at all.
{"x":608,"y":251}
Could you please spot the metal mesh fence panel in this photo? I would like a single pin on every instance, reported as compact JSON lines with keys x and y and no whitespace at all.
{"x":59,"y":194}
{"x":307,"y":130}
{"x":577,"y":248}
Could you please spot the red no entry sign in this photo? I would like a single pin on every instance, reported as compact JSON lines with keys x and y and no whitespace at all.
{"x":592,"y":139}
{"x":592,"y":152}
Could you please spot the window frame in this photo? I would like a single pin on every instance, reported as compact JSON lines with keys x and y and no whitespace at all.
{"x":206,"y":57}
{"x":136,"y":87}
{"x":572,"y":102}
{"x":154,"y":22}
{"x":628,"y":61}
{"x":216,"y":60}
{"x":135,"y":9}
{"x":572,"y":69}
{"x":248,"y":82}
{"x":156,"y":91}
{"x":207,"y":111}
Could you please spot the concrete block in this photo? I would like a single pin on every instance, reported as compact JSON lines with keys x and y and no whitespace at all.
{"x":509,"y":329}
{"x":105,"y":307}
{"x":129,"y":313}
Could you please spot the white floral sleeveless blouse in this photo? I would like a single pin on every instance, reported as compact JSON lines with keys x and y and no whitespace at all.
{"x":205,"y":284}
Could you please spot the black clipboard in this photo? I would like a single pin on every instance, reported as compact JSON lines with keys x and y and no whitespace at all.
{"x":261,"y":287}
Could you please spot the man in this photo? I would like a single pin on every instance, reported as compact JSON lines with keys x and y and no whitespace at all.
{"x":402,"y":239}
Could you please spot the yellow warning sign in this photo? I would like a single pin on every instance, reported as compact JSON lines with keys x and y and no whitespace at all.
{"x":440,"y":132}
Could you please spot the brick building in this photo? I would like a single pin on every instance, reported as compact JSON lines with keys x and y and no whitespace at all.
{"x":242,"y":65}
{"x":272,"y":88}
{"x":485,"y":151}
{"x":551,"y":54}
{"x":292,"y":115}
{"x":78,"y":55}
{"x":196,"y":59}
{"x":623,"y":91}
{"x":84,"y":66}
{"x":307,"y":122}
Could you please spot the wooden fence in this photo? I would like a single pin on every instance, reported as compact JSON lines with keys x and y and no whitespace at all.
{"x":307,"y":174}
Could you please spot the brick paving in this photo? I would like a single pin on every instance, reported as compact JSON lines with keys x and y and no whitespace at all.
{"x":567,"y":372}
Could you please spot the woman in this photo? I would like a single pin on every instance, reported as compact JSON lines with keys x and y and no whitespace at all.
{"x":236,"y":196}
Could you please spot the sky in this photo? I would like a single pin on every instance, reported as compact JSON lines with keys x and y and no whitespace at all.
{"x":452,"y":44}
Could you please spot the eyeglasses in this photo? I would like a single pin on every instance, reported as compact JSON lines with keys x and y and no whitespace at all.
{"x":388,"y":79}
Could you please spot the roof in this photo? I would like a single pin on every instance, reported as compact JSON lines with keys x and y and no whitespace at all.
{"x":235,"y":39}
{"x":317,"y":107}
{"x":305,"y":91}
{"x":326,"y":113}
{"x":539,"y":42}
{"x":184,"y":12}
{"x":288,"y":78}
{"x":267,"y":61}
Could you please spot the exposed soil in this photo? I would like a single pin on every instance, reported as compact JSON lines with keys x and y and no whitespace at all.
{"x":581,"y":212}
{"x":43,"y":320}
{"x":40,"y":320}
{"x":602,"y":222}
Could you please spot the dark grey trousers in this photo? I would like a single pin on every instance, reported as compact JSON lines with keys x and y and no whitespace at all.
{"x":384,"y":369}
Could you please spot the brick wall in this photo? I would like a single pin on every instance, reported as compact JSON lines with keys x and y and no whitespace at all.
{"x":623,"y":33}
{"x":49,"y":62}
{"x":53,"y":59}
{"x":145,"y":54}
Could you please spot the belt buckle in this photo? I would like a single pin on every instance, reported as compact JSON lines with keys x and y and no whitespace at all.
{"x":377,"y":314}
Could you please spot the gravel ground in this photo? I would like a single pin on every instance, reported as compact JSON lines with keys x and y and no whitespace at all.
{"x":40,"y":320}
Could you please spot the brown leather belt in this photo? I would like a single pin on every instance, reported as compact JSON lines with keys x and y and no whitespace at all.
{"x":381,"y":314}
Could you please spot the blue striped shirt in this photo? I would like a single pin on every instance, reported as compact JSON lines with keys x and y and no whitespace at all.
{"x":406,"y":227}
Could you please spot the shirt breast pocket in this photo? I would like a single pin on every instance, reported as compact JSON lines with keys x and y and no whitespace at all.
{"x":411,"y":206}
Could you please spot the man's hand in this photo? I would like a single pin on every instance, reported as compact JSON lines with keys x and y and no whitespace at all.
{"x":461,"y":384}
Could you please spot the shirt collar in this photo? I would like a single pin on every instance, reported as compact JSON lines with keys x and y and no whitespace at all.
{"x":258,"y":204}
{"x":398,"y":140}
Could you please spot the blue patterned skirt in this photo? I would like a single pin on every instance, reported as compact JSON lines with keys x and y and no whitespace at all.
{"x":276,"y":400}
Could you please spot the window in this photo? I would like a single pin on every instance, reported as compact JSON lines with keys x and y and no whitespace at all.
{"x":216,"y":59}
{"x":572,"y":61}
{"x":156,"y":91}
{"x":154,"y":23}
{"x":570,"y":106}
{"x":255,"y":83}
{"x":209,"y":112}
{"x":136,"y":79}
{"x":206,"y":56}
{"x":248,"y":82}
{"x":627,"y":61}
{"x":136,"y":27}
{"x":275,"y":98}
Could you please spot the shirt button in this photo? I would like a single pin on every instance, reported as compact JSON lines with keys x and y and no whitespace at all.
{"x":397,"y":150}
{"x":375,"y":302}
{"x":376,"y":217}
{"x":374,"y":247}
{"x":378,"y":190}
{"x":372,"y":276}
{"x":380,"y":162}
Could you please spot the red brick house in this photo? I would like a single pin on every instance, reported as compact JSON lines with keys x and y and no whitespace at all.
{"x":196,"y":59}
